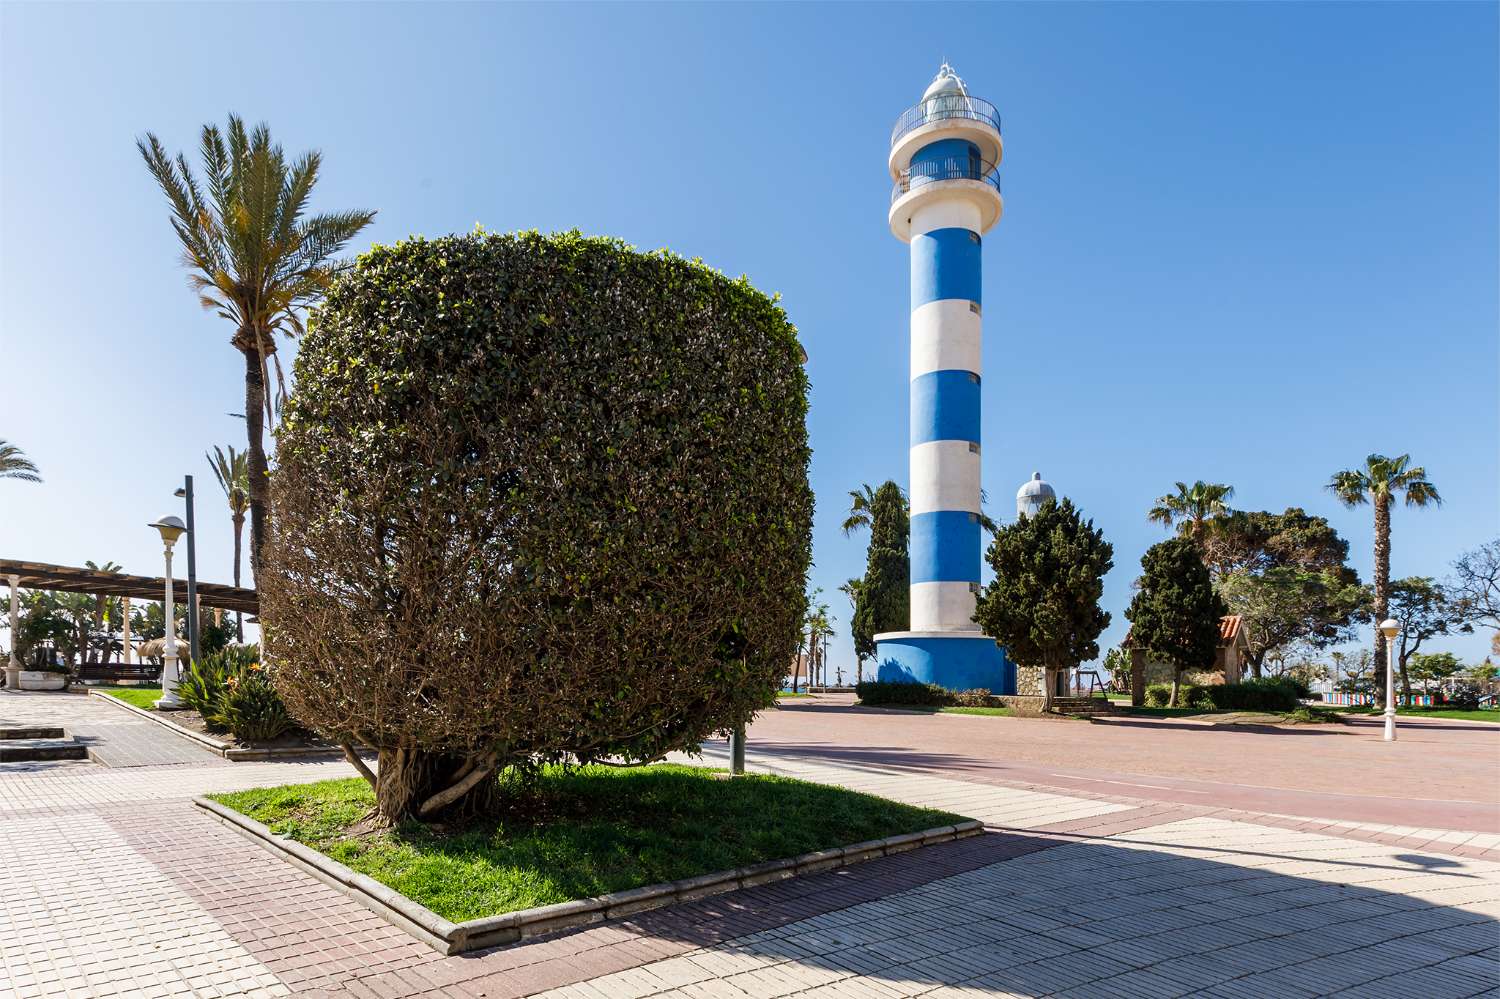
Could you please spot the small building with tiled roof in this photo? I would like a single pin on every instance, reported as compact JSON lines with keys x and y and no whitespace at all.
{"x":1227,"y":667}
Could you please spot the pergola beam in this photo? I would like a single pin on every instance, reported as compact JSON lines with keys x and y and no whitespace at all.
{"x":72,"y":579}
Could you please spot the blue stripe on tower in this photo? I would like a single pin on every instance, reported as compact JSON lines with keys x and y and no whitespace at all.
{"x":945,"y":547}
{"x":944,"y":264}
{"x":945,"y":407}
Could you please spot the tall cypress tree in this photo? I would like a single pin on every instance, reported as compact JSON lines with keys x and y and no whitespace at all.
{"x":883,"y":601}
{"x":1175,"y":614}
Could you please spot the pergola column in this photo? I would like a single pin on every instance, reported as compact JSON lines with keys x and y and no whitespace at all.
{"x":125,"y":604}
{"x":13,"y":668}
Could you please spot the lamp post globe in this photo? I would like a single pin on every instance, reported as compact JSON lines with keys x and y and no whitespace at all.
{"x":171,"y":528}
{"x":1390,"y":628}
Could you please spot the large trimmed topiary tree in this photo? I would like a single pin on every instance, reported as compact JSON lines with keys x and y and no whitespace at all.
{"x":536,"y":495}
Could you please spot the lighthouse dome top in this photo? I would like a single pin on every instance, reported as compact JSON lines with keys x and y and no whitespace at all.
{"x":945,"y":82}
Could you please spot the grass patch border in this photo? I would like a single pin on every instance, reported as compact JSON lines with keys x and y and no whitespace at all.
{"x":450,"y":938}
{"x":225,"y":749}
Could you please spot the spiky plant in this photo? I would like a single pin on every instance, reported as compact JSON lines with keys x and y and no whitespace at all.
{"x":254,"y":257}
{"x":233,"y":474}
{"x":1378,"y":483}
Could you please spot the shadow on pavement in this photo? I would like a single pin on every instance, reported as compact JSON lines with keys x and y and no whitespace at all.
{"x":1017,"y":914}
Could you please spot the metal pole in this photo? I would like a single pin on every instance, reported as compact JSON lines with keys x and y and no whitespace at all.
{"x":169,"y":672}
{"x":737,"y":752}
{"x":1390,"y":690}
{"x":192,"y":553}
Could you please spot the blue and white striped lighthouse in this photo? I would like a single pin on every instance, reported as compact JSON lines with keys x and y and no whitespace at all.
{"x":944,"y":157}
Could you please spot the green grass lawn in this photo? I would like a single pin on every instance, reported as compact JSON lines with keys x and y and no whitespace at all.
{"x":1421,"y":712}
{"x":800,"y":693}
{"x":583,"y":832}
{"x":140,"y":697}
{"x":932,"y":709}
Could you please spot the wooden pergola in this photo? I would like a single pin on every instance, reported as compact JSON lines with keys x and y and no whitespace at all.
{"x":72,"y":579}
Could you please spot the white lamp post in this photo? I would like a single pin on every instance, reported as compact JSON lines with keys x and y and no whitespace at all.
{"x":1390,"y":628}
{"x":171,"y":529}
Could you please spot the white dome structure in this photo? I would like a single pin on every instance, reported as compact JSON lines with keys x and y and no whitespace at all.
{"x":946,"y":82}
{"x":1032,"y":494}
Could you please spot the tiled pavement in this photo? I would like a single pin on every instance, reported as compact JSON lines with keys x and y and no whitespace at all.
{"x":115,"y":737}
{"x":112,"y":884}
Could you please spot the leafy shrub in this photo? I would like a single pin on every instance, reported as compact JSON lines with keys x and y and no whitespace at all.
{"x":535,"y":495}
{"x":877,"y":692}
{"x":1188,"y":696}
{"x":202,"y":686}
{"x":1266,"y":694}
{"x":251,"y":708}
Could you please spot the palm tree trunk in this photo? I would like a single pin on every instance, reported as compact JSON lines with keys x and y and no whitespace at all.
{"x":1382,"y":588}
{"x":239,"y":618}
{"x":255,"y":453}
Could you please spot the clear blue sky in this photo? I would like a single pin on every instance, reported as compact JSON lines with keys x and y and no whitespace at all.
{"x":1244,"y":243}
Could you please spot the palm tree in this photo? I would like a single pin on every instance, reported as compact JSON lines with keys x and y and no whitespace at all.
{"x":860,"y":502}
{"x":233,"y":473}
{"x":1191,"y":506}
{"x":15,"y":465}
{"x":253,"y":258}
{"x":1378,"y":482}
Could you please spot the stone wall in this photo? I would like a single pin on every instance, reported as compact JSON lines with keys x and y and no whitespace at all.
{"x":1029,"y":680}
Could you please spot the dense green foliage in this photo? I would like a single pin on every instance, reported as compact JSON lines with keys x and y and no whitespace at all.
{"x":583,"y":832}
{"x":874,"y":693}
{"x":883,"y":598}
{"x":232,"y":690}
{"x":536,"y":494}
{"x":1286,"y":575}
{"x":1270,"y":694}
{"x":1175,"y":614}
{"x":1043,"y":605}
{"x":877,"y":692}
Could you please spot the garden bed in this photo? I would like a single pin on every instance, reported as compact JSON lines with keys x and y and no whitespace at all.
{"x":189,"y":723}
{"x":577,"y":846}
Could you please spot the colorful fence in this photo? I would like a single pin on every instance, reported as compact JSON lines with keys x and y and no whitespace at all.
{"x":1355,"y":700}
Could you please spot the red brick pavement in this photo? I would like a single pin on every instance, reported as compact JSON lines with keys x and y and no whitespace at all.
{"x":1437,"y":774}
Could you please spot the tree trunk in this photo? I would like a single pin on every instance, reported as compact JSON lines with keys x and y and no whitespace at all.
{"x":239,"y":618}
{"x":1405,"y":680}
{"x":1382,"y":589}
{"x":255,"y":453}
{"x":407,"y":778}
{"x":1256,"y":662}
{"x":1176,"y":683}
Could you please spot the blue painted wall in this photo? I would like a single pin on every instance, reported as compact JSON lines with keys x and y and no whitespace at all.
{"x":955,"y":663}
{"x":945,"y":407}
{"x":945,"y":264}
{"x":945,"y":547}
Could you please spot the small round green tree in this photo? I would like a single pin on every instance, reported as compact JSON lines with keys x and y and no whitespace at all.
{"x":1043,"y":605}
{"x":536,"y":495}
{"x":1175,"y":614}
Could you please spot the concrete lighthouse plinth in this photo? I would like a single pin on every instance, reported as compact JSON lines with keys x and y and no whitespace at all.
{"x":944,"y":156}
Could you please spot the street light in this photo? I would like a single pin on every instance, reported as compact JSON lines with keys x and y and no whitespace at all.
{"x":186,"y":493}
{"x":1390,"y":628}
{"x":171,"y":528}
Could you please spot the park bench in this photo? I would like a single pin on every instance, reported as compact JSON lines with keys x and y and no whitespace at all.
{"x":134,"y":672}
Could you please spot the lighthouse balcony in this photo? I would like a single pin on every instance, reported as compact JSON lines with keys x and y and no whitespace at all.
{"x":952,"y":168}
{"x":943,"y":118}
{"x":969,"y":187}
{"x":945,"y":107}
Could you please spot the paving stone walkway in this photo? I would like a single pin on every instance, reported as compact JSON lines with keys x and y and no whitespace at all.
{"x":115,"y":737}
{"x":112,"y":884}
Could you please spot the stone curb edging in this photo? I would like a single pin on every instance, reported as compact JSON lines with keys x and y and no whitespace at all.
{"x":219,"y":746}
{"x":455,"y":938}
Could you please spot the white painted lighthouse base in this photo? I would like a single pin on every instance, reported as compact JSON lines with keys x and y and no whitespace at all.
{"x":956,"y":660}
